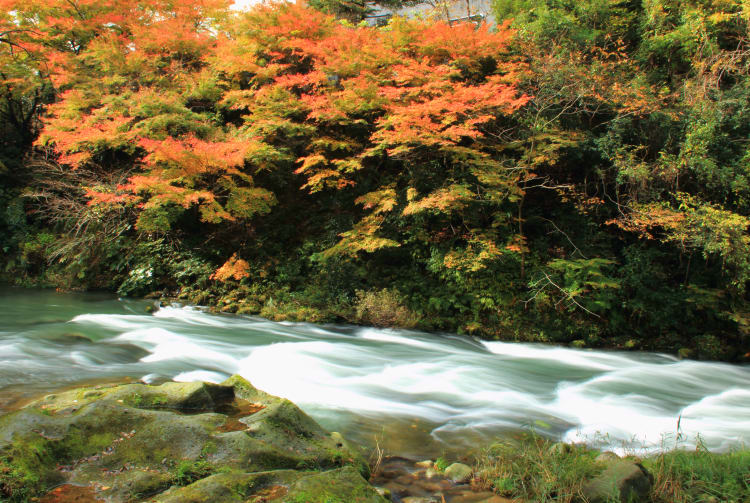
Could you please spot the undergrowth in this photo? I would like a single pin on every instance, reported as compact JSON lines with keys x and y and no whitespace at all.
{"x":700,"y":476}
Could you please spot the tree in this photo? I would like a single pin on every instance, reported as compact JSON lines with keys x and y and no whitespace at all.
{"x":405,"y":104}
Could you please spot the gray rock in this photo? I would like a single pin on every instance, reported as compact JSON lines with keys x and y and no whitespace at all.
{"x":622,"y":481}
{"x":459,"y":473}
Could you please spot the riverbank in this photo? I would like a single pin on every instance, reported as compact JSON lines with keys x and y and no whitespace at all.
{"x":389,"y":308}
{"x":538,"y":470}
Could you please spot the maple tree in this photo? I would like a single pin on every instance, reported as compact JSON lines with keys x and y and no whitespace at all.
{"x":409,"y":103}
{"x":133,"y":89}
{"x":143,"y":83}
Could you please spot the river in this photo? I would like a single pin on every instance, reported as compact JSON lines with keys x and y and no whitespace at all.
{"x":410,"y":393}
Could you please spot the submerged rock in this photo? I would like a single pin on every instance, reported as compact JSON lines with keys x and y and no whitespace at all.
{"x":177,"y":442}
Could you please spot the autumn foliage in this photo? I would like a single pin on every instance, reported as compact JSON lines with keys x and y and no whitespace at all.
{"x":304,"y":93}
{"x":552,"y":176}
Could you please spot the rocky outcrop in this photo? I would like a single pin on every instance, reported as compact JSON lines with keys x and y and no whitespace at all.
{"x":176,"y":442}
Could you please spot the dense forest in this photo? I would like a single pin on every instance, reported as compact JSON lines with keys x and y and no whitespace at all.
{"x":577,"y":172}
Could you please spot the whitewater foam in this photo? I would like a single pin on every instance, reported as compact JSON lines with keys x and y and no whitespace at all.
{"x":460,"y":386}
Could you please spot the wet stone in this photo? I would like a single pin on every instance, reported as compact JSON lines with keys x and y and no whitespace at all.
{"x":397,"y":489}
{"x":431,"y":486}
{"x":477,"y":497}
{"x":390,"y":474}
{"x":459,"y":473}
{"x":406,"y":479}
{"x":431,"y":473}
{"x":413,"y":485}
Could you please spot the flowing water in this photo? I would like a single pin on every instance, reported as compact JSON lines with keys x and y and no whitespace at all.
{"x":411,"y":393}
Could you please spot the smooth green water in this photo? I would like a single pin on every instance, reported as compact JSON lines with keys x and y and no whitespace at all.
{"x":412,"y":393}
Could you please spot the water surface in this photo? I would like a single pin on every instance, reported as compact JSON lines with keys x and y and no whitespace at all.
{"x":412,"y":393}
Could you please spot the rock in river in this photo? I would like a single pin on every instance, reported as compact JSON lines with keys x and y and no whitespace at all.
{"x":459,"y":473}
{"x":178,"y":442}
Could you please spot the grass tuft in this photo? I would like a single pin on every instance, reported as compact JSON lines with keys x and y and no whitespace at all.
{"x":532,"y":469}
{"x":537,"y":469}
{"x":700,"y":476}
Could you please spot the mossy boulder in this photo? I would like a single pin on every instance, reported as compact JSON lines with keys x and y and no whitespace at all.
{"x":623,"y":481}
{"x":135,"y":441}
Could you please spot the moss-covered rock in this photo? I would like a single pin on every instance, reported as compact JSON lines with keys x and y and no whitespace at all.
{"x":622,"y":481}
{"x":342,"y":485}
{"x":135,"y":441}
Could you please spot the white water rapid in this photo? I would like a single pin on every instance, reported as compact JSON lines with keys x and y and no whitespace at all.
{"x":416,"y":393}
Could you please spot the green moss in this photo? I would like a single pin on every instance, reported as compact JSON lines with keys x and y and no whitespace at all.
{"x":137,"y":454}
{"x":97,"y":434}
{"x":136,"y":400}
{"x":228,"y":486}
{"x":344,"y":485}
{"x":243,"y":388}
{"x":188,"y":472}
{"x":159,"y":400}
{"x":249,"y":308}
{"x":22,"y":472}
{"x":137,"y":484}
{"x":208,"y":448}
{"x":147,"y":401}
{"x":28,"y":466}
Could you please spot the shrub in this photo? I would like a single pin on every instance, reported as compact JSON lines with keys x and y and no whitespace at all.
{"x":383,"y":308}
